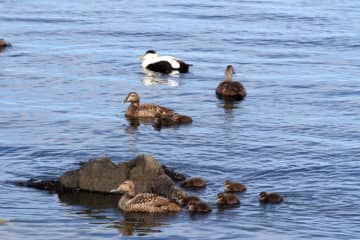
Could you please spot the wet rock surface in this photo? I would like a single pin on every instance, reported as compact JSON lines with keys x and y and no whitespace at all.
{"x":100,"y":175}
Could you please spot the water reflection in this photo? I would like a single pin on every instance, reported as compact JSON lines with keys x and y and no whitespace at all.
{"x":132,"y":223}
{"x":141,"y":224}
{"x":152,"y":78}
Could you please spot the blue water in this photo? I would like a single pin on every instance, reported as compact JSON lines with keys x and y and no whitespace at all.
{"x":298,"y":131}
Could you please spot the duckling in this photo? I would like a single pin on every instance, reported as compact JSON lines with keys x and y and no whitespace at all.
{"x":164,"y":64}
{"x":199,"y":207}
{"x":183,"y":199}
{"x":165,"y":119}
{"x":270,"y":197}
{"x":229,"y":89}
{"x":227,"y":199}
{"x":4,"y":44}
{"x":143,"y":202}
{"x":193,"y":183}
{"x":137,"y":110}
{"x":230,"y":186}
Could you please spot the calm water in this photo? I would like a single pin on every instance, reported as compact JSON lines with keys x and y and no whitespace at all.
{"x":298,"y":131}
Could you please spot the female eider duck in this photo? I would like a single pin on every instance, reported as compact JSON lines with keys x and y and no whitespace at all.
{"x":163,"y":64}
{"x":231,"y":186}
{"x":270,"y":197}
{"x":137,"y":110}
{"x":229,"y":89}
{"x":143,"y":202}
{"x":227,"y":199}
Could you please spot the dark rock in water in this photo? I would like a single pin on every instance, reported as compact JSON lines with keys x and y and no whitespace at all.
{"x":97,"y":175}
{"x":101,"y":175}
{"x":51,"y":185}
{"x":175,"y":176}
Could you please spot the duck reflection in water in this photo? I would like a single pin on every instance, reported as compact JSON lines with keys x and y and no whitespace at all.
{"x":152,"y":78}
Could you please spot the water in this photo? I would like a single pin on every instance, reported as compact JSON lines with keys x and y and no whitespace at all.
{"x":73,"y":62}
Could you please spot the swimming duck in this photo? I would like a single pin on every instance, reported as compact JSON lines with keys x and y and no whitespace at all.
{"x":270,"y":197}
{"x":183,"y":199}
{"x":229,"y":89}
{"x":4,"y":44}
{"x":199,"y":207}
{"x":163,"y":64}
{"x":137,"y":110}
{"x":227,"y":199}
{"x":230,"y":186}
{"x":193,"y":183}
{"x":143,"y":202}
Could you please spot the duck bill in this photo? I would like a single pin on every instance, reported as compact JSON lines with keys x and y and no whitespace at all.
{"x":126,"y":99}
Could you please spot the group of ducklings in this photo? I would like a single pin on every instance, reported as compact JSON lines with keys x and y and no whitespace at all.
{"x":228,"y":90}
{"x":226,"y":198}
{"x":153,"y":203}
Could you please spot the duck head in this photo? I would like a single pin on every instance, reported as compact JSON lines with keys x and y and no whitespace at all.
{"x":229,"y":71}
{"x":132,"y":97}
{"x":150,"y":54}
{"x":263,"y":196}
{"x":220,"y":198}
{"x":127,"y":186}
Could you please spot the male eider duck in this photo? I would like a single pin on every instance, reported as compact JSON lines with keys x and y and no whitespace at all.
{"x":143,"y":202}
{"x":230,"y":186}
{"x":193,"y":183}
{"x":184,"y":200}
{"x":4,"y":44}
{"x":163,"y":64}
{"x":270,"y":197}
{"x":227,"y":199}
{"x":198,"y":207}
{"x":229,"y":89}
{"x":137,"y":110}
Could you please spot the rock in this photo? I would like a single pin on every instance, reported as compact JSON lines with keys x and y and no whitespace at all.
{"x":102,"y":175}
{"x":51,"y":185}
{"x":97,"y":175}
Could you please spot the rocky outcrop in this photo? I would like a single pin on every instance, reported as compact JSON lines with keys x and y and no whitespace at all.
{"x":102,"y":175}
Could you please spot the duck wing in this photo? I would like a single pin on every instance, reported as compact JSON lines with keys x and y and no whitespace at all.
{"x":151,"y":110}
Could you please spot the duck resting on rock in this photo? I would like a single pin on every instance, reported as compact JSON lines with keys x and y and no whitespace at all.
{"x":143,"y":202}
{"x":229,"y":89}
{"x":161,"y":114}
{"x":163,"y":64}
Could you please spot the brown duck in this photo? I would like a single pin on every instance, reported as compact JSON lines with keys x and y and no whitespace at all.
{"x":4,"y":44}
{"x":230,"y":186}
{"x":163,"y":114}
{"x":227,"y":199}
{"x":198,"y":207}
{"x":193,"y":183}
{"x":270,"y":197}
{"x":143,"y":202}
{"x":183,"y":199}
{"x":229,"y":89}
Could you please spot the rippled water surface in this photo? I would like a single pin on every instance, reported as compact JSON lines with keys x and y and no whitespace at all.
{"x":298,"y":131}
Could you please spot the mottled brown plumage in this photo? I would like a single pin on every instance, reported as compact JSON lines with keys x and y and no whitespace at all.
{"x":199,"y":207}
{"x":160,"y":115}
{"x":229,"y":89}
{"x":227,"y":199}
{"x":231,"y":186}
{"x":270,"y":197}
{"x":143,"y":202}
{"x":193,"y":183}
